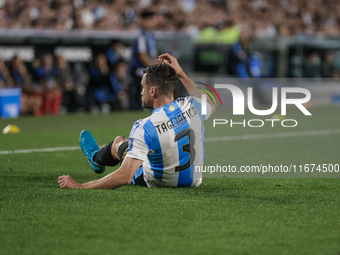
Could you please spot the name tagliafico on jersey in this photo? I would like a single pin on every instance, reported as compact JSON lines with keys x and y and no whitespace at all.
{"x":176,"y":121}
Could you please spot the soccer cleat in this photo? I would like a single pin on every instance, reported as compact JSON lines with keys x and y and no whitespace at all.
{"x":89,"y":146}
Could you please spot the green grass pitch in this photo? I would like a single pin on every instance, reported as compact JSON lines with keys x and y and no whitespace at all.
{"x":222,"y":216}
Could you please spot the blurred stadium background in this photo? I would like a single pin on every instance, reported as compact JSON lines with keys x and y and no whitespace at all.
{"x":72,"y":38}
{"x":50,"y":55}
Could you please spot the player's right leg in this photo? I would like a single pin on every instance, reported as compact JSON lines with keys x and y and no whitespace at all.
{"x":110,"y":155}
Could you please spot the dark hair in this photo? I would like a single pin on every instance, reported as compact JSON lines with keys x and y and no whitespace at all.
{"x":147,"y":14}
{"x":163,"y":77}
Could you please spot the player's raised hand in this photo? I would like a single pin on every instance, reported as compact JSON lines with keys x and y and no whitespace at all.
{"x":68,"y":182}
{"x":171,"y":61}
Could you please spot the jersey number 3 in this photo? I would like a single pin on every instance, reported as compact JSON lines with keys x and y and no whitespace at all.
{"x":188,"y":148}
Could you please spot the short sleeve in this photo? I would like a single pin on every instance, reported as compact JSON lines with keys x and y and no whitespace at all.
{"x":137,"y":147}
{"x":197,"y":102}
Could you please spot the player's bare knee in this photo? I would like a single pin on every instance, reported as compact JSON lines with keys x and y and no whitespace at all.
{"x":116,"y":143}
{"x":119,"y":140}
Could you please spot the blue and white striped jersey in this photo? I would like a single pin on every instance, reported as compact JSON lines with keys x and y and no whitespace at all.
{"x":171,"y":143}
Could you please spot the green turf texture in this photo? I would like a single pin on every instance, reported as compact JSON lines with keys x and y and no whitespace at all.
{"x":222,"y":216}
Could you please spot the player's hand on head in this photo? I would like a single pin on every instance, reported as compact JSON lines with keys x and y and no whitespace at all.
{"x":66,"y":181}
{"x":171,"y":61}
{"x":166,"y":59}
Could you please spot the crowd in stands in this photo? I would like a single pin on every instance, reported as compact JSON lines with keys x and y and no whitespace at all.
{"x":320,"y":66}
{"x":51,"y":85}
{"x":262,"y":18}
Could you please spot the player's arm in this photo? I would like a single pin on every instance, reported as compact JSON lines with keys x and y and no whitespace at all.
{"x":190,"y":86}
{"x":120,"y":177}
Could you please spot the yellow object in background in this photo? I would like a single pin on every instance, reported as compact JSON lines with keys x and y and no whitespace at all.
{"x":228,"y":35}
{"x":208,"y":35}
{"x":11,"y":129}
{"x":278,"y":117}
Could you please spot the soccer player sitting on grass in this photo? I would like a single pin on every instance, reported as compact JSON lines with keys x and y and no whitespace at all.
{"x":164,"y":148}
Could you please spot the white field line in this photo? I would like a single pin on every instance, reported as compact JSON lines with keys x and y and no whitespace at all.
{"x":68,"y":148}
{"x":210,"y":139}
